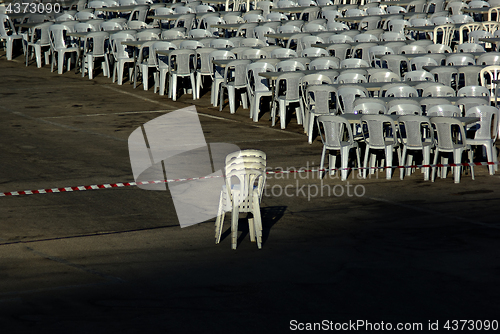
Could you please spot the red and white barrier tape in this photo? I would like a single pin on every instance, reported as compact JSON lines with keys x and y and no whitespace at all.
{"x":300,"y":170}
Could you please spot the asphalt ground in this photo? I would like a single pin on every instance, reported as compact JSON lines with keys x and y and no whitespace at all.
{"x":116,"y":260}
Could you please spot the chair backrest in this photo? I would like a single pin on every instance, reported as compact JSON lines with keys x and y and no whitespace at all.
{"x":334,"y":131}
{"x":372,"y":107}
{"x":401,"y":90}
{"x":182,"y":61}
{"x":254,"y":54}
{"x":283,"y":53}
{"x":41,"y":33}
{"x":412,"y":49}
{"x":235,"y":72}
{"x":320,"y":98}
{"x":378,"y":130}
{"x":117,"y":48}
{"x":447,"y":129}
{"x":438,"y":91}
{"x":288,"y":85}
{"x":438,"y":48}
{"x":350,"y":77}
{"x":488,"y":122}
{"x":248,"y":175}
{"x":414,"y":130}
{"x":290,"y":66}
{"x":384,"y":75}
{"x":147,"y":35}
{"x":325,"y":63}
{"x":417,"y":63}
{"x":243,"y":154}
{"x":255,"y":82}
{"x":139,"y":13}
{"x":346,"y":94}
{"x":172,"y":34}
{"x":490,"y":58}
{"x":405,"y":108}
{"x":354,"y":63}
{"x":460,"y":59}
{"x":252,"y":42}
{"x":314,"y":52}
{"x":221,"y":43}
{"x":420,"y":75}
{"x":446,"y":110}
{"x":57,"y":34}
{"x":487,"y":76}
{"x":398,"y":64}
{"x":95,"y":43}
{"x":470,"y":47}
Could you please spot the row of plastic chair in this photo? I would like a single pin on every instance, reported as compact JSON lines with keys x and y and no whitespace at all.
{"x":410,"y":134}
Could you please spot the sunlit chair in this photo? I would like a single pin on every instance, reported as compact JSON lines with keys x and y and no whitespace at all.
{"x":181,"y":65}
{"x":60,"y":44}
{"x":488,"y":75}
{"x":346,"y":94}
{"x":485,"y":132}
{"x":451,"y":138}
{"x":319,"y":99}
{"x":234,"y":79}
{"x":416,"y":134}
{"x":379,"y":132}
{"x":336,"y":135}
{"x":288,"y":92}
{"x":94,"y":47}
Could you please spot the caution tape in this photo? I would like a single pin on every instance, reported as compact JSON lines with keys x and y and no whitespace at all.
{"x":289,"y":171}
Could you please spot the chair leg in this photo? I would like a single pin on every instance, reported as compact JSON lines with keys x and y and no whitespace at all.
{"x":234,"y":226}
{"x":388,"y":162}
{"x":365,"y":162}
{"x":471,"y":157}
{"x":60,"y":62}
{"x":457,"y":159}
{"x":257,"y":219}
{"x":219,"y":221}
{"x":251,"y":229}
{"x":282,"y":108}
{"x":403,"y":158}
{"x":358,"y":157}
{"x":436,"y":154}
{"x":426,"y":152}
{"x":344,"y":159}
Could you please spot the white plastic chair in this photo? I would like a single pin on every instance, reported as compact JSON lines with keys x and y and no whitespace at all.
{"x":444,"y":110}
{"x":379,"y":133}
{"x":487,"y":76}
{"x":450,"y":139}
{"x":287,"y":92}
{"x":234,"y":79}
{"x":336,"y":135}
{"x":121,"y":54}
{"x":181,"y":65}
{"x":346,"y":94}
{"x":95,"y":48}
{"x":473,"y":91}
{"x":160,"y":63}
{"x":60,"y":45}
{"x":218,"y":72}
{"x":257,"y":86}
{"x":416,"y":134}
{"x":319,"y":99}
{"x":486,"y":132}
